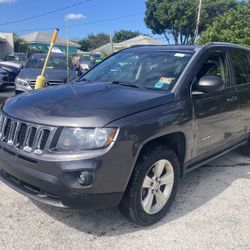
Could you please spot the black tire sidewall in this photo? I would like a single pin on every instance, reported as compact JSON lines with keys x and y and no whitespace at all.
{"x":144,"y":164}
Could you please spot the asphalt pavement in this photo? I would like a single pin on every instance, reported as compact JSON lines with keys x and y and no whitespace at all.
{"x":211,"y":211}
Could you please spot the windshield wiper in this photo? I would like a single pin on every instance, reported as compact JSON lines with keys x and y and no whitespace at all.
{"x":124,"y":84}
{"x":83,"y":80}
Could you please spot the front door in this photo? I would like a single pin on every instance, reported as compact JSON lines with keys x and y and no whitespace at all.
{"x":216,"y":114}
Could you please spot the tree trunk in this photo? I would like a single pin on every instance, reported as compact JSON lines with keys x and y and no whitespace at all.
{"x":165,"y":34}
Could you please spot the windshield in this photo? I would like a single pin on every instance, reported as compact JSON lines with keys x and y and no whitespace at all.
{"x":54,"y":62}
{"x":85,"y":61}
{"x":143,"y":69}
{"x":15,"y":58}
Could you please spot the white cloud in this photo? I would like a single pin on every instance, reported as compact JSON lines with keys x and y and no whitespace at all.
{"x":7,"y":1}
{"x":74,"y":16}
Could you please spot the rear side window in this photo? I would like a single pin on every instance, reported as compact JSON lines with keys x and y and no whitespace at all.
{"x":241,"y":67}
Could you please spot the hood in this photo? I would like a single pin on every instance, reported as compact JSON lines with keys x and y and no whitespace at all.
{"x":86,"y":105}
{"x":50,"y":74}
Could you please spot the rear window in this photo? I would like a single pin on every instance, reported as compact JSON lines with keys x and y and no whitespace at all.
{"x":241,"y":67}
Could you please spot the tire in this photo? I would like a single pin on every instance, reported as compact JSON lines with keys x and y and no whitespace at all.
{"x":146,"y":181}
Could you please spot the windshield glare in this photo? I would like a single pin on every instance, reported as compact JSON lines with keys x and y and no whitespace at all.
{"x":16,"y":58}
{"x":54,"y":62}
{"x":144,"y":69}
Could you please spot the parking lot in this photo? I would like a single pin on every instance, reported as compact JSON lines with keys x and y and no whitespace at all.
{"x":211,"y":211}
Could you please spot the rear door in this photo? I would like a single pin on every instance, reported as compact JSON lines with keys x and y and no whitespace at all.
{"x":216,"y":114}
{"x":241,"y":80}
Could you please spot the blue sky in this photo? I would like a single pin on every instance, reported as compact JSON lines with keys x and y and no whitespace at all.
{"x":93,"y":11}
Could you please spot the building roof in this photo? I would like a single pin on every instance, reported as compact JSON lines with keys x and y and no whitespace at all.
{"x":44,"y":37}
{"x":3,"y":40}
{"x":3,"y":37}
{"x":139,"y":40}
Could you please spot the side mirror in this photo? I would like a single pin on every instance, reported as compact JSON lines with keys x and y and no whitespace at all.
{"x":210,"y":84}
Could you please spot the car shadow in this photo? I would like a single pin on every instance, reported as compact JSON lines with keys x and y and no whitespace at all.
{"x":198,"y":188}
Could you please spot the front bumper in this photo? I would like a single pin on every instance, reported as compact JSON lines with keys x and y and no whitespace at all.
{"x":46,"y":182}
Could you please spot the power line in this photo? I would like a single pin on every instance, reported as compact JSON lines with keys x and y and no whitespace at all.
{"x":44,"y":14}
{"x":83,"y":24}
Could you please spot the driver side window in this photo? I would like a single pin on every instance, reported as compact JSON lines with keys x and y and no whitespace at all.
{"x":215,"y":65}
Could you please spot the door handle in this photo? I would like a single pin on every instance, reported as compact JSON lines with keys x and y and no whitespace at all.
{"x":232,"y":99}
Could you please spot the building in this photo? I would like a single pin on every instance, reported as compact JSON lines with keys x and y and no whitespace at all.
{"x":6,"y":44}
{"x":109,"y":48}
{"x":41,"y":41}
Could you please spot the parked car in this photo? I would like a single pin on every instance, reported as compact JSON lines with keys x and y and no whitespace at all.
{"x":127,"y":132}
{"x":56,"y":72}
{"x":19,"y":58}
{"x":87,"y":61}
{"x":4,"y":78}
{"x":8,"y":73}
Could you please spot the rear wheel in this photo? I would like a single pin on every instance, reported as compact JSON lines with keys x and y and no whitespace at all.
{"x":152,"y":187}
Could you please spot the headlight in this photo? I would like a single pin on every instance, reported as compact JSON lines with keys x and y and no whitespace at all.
{"x":22,"y":82}
{"x":77,"y":139}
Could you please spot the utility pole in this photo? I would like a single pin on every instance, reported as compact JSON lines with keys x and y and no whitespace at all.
{"x":67,"y":22}
{"x":112,"y":44}
{"x":198,"y":20}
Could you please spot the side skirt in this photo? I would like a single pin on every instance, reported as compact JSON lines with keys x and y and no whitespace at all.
{"x":188,"y":168}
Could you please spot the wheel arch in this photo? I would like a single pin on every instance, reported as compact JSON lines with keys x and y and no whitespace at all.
{"x":175,"y":141}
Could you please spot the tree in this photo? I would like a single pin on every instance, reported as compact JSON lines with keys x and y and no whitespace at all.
{"x":19,"y":44}
{"x":177,"y":18}
{"x":122,"y":35}
{"x":94,"y":41}
{"x":233,"y":27}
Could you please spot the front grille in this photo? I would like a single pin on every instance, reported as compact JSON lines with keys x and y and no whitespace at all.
{"x":47,"y":83}
{"x":25,"y":136}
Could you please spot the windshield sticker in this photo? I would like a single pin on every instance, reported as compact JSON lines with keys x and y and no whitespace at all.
{"x":163,"y":82}
{"x":179,"y":55}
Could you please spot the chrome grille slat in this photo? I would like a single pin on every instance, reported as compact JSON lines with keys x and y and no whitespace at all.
{"x":25,"y":136}
{"x":3,"y":128}
{"x":38,"y":145}
{"x":26,"y":147}
{"x":10,"y":140}
{"x":16,"y":133}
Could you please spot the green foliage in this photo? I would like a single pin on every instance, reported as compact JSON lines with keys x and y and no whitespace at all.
{"x":20,"y":45}
{"x":94,"y":41}
{"x":122,"y":35}
{"x":233,"y":27}
{"x":177,"y":18}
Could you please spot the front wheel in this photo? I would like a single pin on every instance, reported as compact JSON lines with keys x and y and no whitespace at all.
{"x":152,"y":187}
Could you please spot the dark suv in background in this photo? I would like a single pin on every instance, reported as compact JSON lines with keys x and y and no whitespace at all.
{"x":129,"y":129}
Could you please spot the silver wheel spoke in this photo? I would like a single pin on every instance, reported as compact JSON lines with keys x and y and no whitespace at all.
{"x":167,"y":178}
{"x":147,"y":202}
{"x":160,"y":199}
{"x":159,"y":167}
{"x":156,"y":189}
{"x":147,"y":182}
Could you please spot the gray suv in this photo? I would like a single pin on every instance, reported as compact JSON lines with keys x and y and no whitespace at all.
{"x":129,"y":129}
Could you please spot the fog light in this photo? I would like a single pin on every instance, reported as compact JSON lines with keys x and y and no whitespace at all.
{"x":85,"y":178}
